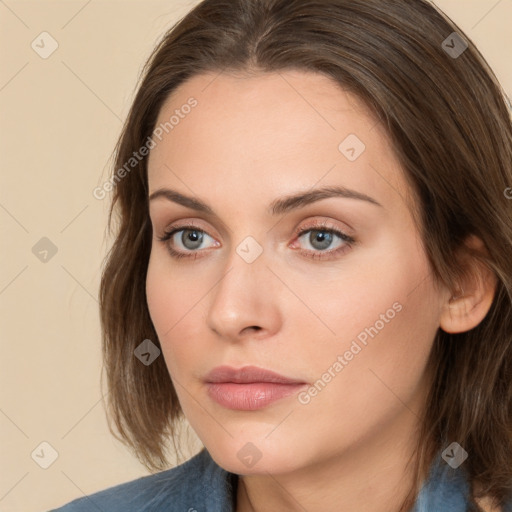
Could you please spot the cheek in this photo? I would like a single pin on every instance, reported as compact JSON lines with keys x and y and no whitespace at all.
{"x":382,"y":377}
{"x":174,"y":304}
{"x":158,"y":294}
{"x":367,"y":297}
{"x":384,"y":346}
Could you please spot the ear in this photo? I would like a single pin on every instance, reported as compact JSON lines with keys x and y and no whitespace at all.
{"x":471,"y":304}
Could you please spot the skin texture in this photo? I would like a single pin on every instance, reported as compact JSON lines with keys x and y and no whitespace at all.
{"x":250,"y":140}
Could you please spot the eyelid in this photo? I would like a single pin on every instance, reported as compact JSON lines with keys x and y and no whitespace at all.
{"x":299,"y":230}
{"x":326,"y":225}
{"x":185,"y":224}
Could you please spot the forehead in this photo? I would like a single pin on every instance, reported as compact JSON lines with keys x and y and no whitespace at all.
{"x":254,"y":135}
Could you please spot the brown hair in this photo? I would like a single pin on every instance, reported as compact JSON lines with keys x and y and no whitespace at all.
{"x":448,"y":120}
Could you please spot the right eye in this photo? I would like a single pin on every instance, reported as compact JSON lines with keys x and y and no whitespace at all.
{"x":190,"y":238}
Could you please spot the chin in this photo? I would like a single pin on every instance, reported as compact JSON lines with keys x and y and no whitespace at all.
{"x":254,"y":457}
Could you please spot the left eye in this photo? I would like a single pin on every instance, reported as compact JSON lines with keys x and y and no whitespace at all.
{"x":322,"y":239}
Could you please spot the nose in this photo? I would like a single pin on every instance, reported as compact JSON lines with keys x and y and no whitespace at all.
{"x":245,"y":302}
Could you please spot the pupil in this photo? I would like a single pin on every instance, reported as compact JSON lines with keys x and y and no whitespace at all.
{"x":193,"y":237}
{"x":322,"y":237}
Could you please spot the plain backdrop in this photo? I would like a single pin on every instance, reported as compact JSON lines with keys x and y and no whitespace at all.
{"x":60,"y":118}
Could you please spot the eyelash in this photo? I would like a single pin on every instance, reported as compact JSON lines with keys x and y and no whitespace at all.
{"x":316,"y":255}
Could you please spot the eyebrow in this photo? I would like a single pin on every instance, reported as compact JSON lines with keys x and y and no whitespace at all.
{"x":277,"y":207}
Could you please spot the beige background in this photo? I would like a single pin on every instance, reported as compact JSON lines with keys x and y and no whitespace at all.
{"x":60,"y":118}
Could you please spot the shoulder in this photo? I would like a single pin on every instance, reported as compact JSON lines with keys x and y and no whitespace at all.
{"x":448,"y":489}
{"x":184,"y":487}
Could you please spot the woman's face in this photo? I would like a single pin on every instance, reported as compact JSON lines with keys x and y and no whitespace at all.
{"x":352,"y":320}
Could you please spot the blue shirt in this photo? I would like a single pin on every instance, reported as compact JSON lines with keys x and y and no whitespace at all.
{"x":200,"y":485}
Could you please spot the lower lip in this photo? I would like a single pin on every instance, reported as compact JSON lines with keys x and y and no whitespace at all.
{"x":251,"y":396}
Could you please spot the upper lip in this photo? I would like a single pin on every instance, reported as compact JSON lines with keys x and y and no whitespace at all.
{"x":248,"y":374}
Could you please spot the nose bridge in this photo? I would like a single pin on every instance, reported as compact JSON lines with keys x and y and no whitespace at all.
{"x":242,"y":297}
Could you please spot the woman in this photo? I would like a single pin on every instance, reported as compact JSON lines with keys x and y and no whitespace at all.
{"x":313,"y":264}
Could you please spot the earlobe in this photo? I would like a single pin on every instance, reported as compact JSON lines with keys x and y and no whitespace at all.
{"x":465,"y":309}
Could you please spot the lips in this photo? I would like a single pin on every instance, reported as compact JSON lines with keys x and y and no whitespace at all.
{"x":249,"y":388}
{"x":247,"y":375}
